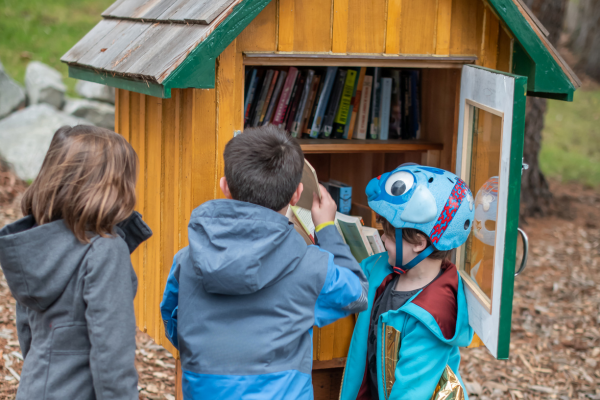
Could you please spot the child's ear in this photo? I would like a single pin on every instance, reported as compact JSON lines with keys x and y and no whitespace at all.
{"x":225,"y":188}
{"x":297,"y":194}
{"x":422,"y":245}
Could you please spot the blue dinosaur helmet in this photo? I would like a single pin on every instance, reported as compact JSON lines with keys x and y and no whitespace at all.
{"x":436,"y":202}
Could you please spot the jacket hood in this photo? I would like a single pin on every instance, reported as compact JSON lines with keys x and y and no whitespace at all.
{"x":442,"y":307}
{"x":240,"y":248}
{"x":39,"y":261}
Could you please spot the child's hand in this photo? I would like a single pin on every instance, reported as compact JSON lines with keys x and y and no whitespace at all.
{"x":323,"y":210}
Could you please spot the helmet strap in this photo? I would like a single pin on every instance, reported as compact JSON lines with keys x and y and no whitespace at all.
{"x":402,"y":269}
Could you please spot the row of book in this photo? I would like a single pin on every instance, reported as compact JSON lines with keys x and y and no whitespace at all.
{"x":334,"y":102}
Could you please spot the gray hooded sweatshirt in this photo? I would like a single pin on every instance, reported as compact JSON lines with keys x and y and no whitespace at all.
{"x":75,"y":316}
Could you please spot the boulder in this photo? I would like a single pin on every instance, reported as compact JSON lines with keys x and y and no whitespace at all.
{"x":26,"y":134}
{"x":95,"y":91}
{"x":98,"y":113}
{"x":12,"y":96}
{"x":44,"y":84}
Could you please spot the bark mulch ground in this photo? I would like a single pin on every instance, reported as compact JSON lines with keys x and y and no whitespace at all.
{"x":555,"y":345}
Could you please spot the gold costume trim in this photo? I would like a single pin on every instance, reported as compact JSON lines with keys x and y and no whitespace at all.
{"x":391,"y":349}
{"x":448,"y":387}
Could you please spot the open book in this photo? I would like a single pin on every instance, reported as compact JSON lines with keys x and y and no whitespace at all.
{"x":299,"y":214}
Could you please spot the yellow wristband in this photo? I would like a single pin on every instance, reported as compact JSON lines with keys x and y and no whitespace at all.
{"x":323,"y":225}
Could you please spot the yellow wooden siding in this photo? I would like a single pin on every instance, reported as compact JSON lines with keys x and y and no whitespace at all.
{"x":393,"y":24}
{"x":418,"y":27}
{"x":366,"y":26}
{"x":466,"y":28}
{"x":339,"y":38}
{"x":261,"y":33}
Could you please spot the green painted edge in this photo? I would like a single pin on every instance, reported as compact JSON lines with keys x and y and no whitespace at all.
{"x":149,"y":88}
{"x":198,"y":69}
{"x":545,"y":75}
{"x":512,"y":216}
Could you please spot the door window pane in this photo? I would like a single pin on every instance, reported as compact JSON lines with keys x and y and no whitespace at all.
{"x":482,"y":171}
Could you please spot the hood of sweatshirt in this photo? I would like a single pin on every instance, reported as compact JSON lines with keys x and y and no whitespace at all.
{"x":239,"y":248}
{"x":39,"y":261}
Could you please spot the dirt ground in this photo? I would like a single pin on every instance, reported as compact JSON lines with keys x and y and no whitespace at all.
{"x":555,"y":344}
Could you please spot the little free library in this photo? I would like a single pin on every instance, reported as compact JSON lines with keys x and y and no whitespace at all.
{"x":364,"y":86}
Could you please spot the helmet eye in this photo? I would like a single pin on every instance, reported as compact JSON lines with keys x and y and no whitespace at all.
{"x":399,"y":183}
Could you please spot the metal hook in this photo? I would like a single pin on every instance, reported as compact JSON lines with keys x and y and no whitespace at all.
{"x":525,"y":252}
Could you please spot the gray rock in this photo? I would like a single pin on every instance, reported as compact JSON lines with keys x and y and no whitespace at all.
{"x":95,"y":91}
{"x":44,"y":84}
{"x":98,"y":113}
{"x":26,"y":134}
{"x":12,"y":96}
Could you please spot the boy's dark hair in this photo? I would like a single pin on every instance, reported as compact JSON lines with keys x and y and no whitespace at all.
{"x":412,"y":236}
{"x":263,"y":166}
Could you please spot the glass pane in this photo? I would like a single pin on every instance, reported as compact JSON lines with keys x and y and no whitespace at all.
{"x":482,"y":170}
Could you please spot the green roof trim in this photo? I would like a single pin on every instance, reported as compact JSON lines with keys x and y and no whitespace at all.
{"x":531,"y":58}
{"x":104,"y":78}
{"x":198,"y":69}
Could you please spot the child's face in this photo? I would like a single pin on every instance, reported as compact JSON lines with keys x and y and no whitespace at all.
{"x":409,"y":251}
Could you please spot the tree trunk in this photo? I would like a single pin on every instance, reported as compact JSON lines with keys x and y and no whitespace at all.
{"x":585,"y":41}
{"x":535,"y":192}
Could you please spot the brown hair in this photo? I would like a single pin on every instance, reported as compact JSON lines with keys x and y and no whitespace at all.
{"x":412,"y":236}
{"x":87,"y":179}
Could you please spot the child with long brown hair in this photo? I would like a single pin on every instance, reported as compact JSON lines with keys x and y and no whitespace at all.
{"x":67,"y":263}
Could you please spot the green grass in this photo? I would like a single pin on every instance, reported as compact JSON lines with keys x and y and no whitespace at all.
{"x":571,"y":139}
{"x":44,"y":30}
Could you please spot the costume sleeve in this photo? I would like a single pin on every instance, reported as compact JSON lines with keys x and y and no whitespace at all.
{"x":108,"y":291}
{"x":23,"y":329}
{"x":346,"y":287}
{"x":421,"y":362}
{"x":170,"y":304}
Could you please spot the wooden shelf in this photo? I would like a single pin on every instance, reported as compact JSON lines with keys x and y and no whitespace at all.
{"x":328,"y":364}
{"x":340,"y":146}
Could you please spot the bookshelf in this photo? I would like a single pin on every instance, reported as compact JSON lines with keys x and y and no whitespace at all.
{"x":341,"y":146}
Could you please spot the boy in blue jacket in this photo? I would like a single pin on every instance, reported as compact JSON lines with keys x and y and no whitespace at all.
{"x":241,"y":299}
{"x":405,"y":345}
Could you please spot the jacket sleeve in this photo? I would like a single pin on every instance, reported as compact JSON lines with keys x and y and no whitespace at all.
{"x":109,"y":290}
{"x":23,"y":329}
{"x":421,"y":362}
{"x":346,"y":287}
{"x":170,"y":304}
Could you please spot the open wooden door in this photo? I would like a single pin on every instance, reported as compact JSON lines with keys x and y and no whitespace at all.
{"x":489,"y":159}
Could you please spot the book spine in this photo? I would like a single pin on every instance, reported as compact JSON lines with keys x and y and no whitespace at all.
{"x":250,"y":96}
{"x":334,"y":102}
{"x":247,"y":82}
{"x":345,"y":204}
{"x":311,"y":118}
{"x":395,"y":111}
{"x":355,"y":105}
{"x":405,"y":105}
{"x":374,"y":128}
{"x":322,"y":103}
{"x":363,"y":113}
{"x":341,"y":117}
{"x":416,"y":104}
{"x":385,"y":105}
{"x":293,"y":107}
{"x":285,"y":96}
{"x":275,"y":97}
{"x":310,"y":103}
{"x":269,"y":97}
{"x":303,"y":100}
{"x":261,"y":98}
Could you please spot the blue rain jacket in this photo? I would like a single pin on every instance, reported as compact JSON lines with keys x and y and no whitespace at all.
{"x":242,"y":298}
{"x":417,"y":345}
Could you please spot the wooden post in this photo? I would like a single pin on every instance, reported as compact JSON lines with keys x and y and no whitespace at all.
{"x":178,"y":376}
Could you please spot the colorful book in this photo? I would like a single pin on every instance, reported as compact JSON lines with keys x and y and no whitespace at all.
{"x":308,"y":110}
{"x":334,"y":102}
{"x":262,"y":97}
{"x":293,"y":107}
{"x":311,"y":118}
{"x":297,"y":124}
{"x":384,"y":108}
{"x":250,"y":96}
{"x":323,"y":100}
{"x":269,"y":97}
{"x":396,"y":107}
{"x":275,"y":98}
{"x":284,"y":99}
{"x":362,"y":123}
{"x":376,"y":97}
{"x":341,"y":117}
{"x":355,"y":104}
